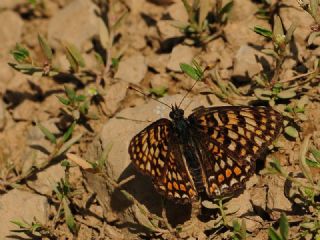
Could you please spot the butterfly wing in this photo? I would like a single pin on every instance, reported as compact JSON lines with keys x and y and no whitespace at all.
{"x":233,"y":138}
{"x":155,"y":152}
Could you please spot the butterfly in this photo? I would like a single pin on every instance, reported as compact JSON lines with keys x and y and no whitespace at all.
{"x":214,"y":150}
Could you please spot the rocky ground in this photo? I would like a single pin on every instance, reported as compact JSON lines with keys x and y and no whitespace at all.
{"x":85,"y":187}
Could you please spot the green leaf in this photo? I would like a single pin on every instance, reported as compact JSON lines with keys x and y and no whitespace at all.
{"x":210,"y":205}
{"x":47,"y":133}
{"x":115,"y":62}
{"x":46,"y":49}
{"x":20,"y":223}
{"x":275,"y":164}
{"x":80,"y":98}
{"x":263,"y":94}
{"x":277,"y":27}
{"x":69,"y":131}
{"x":302,"y":158}
{"x":263,"y":31}
{"x":99,"y":59}
{"x":190,"y":11}
{"x":314,"y":8}
{"x":84,"y":108}
{"x":236,"y":225}
{"x":287,"y":94}
{"x":71,"y":94}
{"x":68,"y":144}
{"x":316,"y":153}
{"x":20,"y":54}
{"x":226,"y":8}
{"x":158,"y":91}
{"x":271,"y":53}
{"x":290,"y":31}
{"x":65,"y":163}
{"x":119,"y":21}
{"x":74,"y":57}
{"x":284,"y":226}
{"x":291,"y":131}
{"x":273,"y":235}
{"x":193,"y":72}
{"x":33,"y":2}
{"x":243,"y":230}
{"x":70,"y":221}
{"x":312,"y":163}
{"x":63,"y":100}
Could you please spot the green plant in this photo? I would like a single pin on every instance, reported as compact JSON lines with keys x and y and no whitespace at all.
{"x":158,"y":91}
{"x":27,"y":65}
{"x":77,"y":105}
{"x":63,"y":192}
{"x":202,"y":27}
{"x":239,"y":230}
{"x":35,"y":229}
{"x":303,"y":191}
{"x":61,"y":145}
{"x":109,"y":25}
{"x":280,"y":43}
{"x":267,"y":9}
{"x":283,"y":229}
{"x":312,"y":7}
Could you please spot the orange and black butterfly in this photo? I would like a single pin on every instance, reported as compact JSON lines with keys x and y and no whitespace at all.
{"x":214,"y":150}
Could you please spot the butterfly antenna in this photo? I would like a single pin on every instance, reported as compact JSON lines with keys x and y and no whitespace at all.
{"x":187,"y":93}
{"x":137,"y":90}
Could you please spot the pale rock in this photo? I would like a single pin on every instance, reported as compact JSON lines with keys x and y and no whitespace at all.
{"x":277,"y":202}
{"x":6,"y":73}
{"x":240,"y":32}
{"x":9,"y":4}
{"x":240,"y":205}
{"x":259,"y":197}
{"x":178,"y":12}
{"x":160,"y":80}
{"x":245,"y":62}
{"x":10,"y":32}
{"x":47,"y":179}
{"x":180,"y":54}
{"x":24,"y":111}
{"x":22,"y":206}
{"x":242,"y":10}
{"x":114,"y":95}
{"x":135,"y":6}
{"x":132,"y":69}
{"x":217,"y":50}
{"x":75,"y":24}
{"x":137,"y":41}
{"x":167,"y":30}
{"x":158,"y":61}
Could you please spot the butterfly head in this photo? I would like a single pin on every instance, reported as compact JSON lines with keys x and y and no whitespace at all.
{"x":176,"y":113}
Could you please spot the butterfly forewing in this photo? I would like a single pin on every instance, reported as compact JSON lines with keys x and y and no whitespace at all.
{"x":232,"y":138}
{"x":155,"y":152}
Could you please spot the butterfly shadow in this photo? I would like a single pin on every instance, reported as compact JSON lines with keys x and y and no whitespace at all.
{"x":141,"y":188}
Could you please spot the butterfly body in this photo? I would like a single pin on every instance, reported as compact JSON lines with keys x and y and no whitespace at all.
{"x":187,"y":143}
{"x":213,"y":150}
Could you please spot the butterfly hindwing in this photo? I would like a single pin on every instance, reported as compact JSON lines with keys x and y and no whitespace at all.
{"x":233,"y":139}
{"x":155,"y":152}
